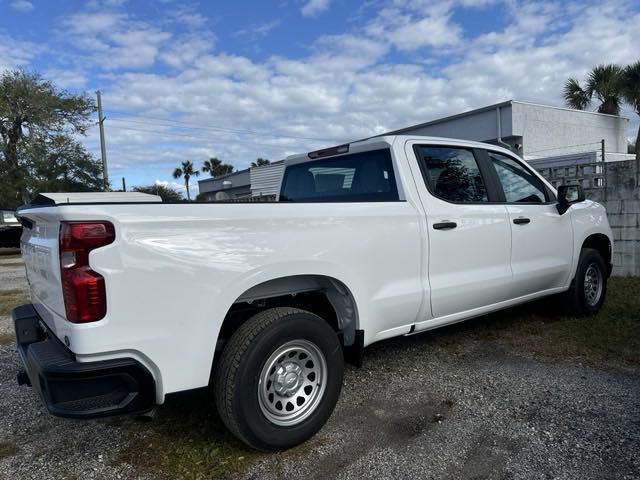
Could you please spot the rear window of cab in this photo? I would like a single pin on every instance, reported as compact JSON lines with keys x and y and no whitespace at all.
{"x":357,"y":177}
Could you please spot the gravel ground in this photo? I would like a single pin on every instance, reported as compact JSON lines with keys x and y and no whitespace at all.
{"x":12,"y":272}
{"x":417,"y":411}
{"x":438,"y":405}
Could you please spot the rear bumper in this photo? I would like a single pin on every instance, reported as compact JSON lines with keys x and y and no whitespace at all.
{"x":75,"y":389}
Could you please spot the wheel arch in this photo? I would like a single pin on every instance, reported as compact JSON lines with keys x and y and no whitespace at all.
{"x":313,"y":292}
{"x":601,"y":243}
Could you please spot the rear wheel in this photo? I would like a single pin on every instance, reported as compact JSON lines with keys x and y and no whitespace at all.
{"x":589,"y":287}
{"x":279,"y":378}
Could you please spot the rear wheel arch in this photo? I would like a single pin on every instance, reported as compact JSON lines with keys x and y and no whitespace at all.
{"x":325,"y":296}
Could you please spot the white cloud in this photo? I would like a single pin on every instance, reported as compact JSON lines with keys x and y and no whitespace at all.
{"x":115,"y":41}
{"x":92,"y":23}
{"x":256,"y":32}
{"x":426,"y":32}
{"x":66,"y":78}
{"x":188,"y":17}
{"x":348,"y":86}
{"x":22,"y":6}
{"x":186,"y":49}
{"x":105,"y":3}
{"x":411,"y":25}
{"x":14,"y":53}
{"x":313,"y":8}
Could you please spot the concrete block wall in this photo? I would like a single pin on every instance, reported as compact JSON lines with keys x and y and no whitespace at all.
{"x":620,"y":195}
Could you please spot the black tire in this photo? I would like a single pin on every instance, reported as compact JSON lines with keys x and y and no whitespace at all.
{"x":579,"y":303}
{"x":242,"y":364}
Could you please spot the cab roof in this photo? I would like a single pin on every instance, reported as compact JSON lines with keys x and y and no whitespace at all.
{"x":373,"y":143}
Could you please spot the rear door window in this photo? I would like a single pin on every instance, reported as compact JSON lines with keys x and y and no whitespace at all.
{"x":358,"y":177}
{"x":452,"y":174}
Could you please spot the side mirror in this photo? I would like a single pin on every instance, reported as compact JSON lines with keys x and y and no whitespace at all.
{"x":568,"y":195}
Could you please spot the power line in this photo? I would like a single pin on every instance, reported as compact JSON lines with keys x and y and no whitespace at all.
{"x":562,"y":148}
{"x":211,"y":127}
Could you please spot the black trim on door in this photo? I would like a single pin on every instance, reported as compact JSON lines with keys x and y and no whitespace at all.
{"x":490,"y":176}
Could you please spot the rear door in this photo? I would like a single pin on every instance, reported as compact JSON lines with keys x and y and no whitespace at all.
{"x":542,"y":239}
{"x":468,"y":229}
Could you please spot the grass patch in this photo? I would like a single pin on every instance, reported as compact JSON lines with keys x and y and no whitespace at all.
{"x":7,"y":252}
{"x":613,"y":335}
{"x":187,"y":440}
{"x":10,"y":299}
{"x":7,"y":449}
{"x":6,"y":338}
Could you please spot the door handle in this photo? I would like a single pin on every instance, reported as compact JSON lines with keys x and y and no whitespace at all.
{"x":521,"y":220}
{"x":445,"y":225}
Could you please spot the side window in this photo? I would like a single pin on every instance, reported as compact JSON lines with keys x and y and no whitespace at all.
{"x":519,"y":185}
{"x":359,"y":177}
{"x":453,"y":174}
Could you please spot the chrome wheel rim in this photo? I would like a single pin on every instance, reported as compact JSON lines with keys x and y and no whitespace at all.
{"x":292,"y":382}
{"x":592,"y":285}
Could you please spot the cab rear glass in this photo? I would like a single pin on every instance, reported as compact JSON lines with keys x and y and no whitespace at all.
{"x":357,"y":177}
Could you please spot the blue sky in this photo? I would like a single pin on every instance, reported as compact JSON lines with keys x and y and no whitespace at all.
{"x":246,"y":79}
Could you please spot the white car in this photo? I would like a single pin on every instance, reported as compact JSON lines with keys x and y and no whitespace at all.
{"x":134,"y":299}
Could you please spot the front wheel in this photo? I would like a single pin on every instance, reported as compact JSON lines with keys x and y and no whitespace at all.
{"x":589,"y":287}
{"x":279,"y":378}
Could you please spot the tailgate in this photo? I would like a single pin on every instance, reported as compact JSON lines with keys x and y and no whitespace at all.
{"x":40,"y":245}
{"x":39,"y":248}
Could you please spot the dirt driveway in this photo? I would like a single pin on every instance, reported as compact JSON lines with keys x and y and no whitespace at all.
{"x":518,"y":395}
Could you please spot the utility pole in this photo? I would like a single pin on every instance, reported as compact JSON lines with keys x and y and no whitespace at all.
{"x":124,"y":185}
{"x":103,"y":148}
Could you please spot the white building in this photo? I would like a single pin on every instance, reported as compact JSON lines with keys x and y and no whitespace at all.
{"x":531,"y":130}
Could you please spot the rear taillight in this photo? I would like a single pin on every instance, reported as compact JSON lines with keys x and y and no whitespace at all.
{"x":85,"y":298}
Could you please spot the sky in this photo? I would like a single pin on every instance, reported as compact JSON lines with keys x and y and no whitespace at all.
{"x":245,"y":79}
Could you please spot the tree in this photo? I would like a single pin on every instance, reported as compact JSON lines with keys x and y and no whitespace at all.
{"x":61,"y":164}
{"x":216,"y":168}
{"x":33,"y":110}
{"x":166,"y":193}
{"x":631,"y":94}
{"x":260,"y":162}
{"x":187,"y":171}
{"x":604,"y":82}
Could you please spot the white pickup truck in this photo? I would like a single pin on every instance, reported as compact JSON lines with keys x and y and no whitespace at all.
{"x":384,"y":237}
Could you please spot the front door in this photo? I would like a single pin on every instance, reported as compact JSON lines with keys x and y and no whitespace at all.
{"x":469,"y":234}
{"x":542,"y":239}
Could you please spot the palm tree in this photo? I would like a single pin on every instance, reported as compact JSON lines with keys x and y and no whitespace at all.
{"x":187,"y":171}
{"x":631,"y":94}
{"x":216,"y":168}
{"x":604,"y":82}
